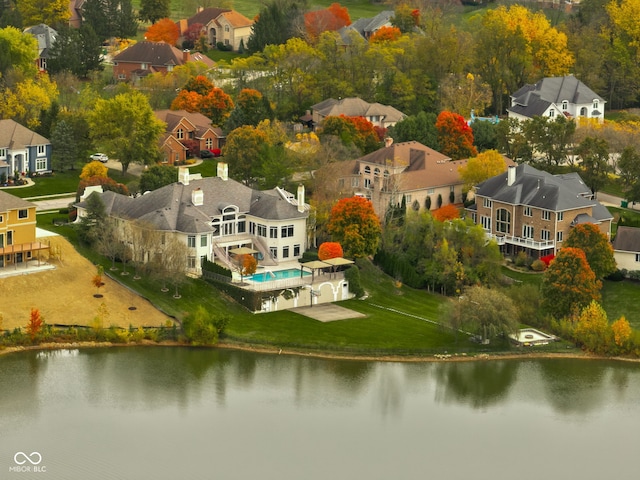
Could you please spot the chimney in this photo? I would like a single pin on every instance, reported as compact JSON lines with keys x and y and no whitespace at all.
{"x":511,"y":175}
{"x":223,"y":171}
{"x":183,"y":175}
{"x":388,"y":142}
{"x":186,"y":55}
{"x":301,"y":198}
{"x":183,"y":26}
{"x":197,"y":197}
{"x":200,"y":9}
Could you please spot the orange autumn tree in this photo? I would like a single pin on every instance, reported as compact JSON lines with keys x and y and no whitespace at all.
{"x":35,"y":324}
{"x":165,"y":30}
{"x":621,"y":332}
{"x":186,"y":100}
{"x":353,"y":222}
{"x":329,"y":19}
{"x":455,"y":137}
{"x":569,"y":283}
{"x":329,"y":250}
{"x":448,"y":212}
{"x":215,"y":104}
{"x":386,"y":34}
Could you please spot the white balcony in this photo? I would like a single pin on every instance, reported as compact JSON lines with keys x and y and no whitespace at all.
{"x":520,"y":241}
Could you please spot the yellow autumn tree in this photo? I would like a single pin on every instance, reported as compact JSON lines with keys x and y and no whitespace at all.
{"x":94,"y":169}
{"x":24,"y":102}
{"x":482,"y":167}
{"x":621,"y":332}
{"x":592,"y":329}
{"x":49,"y":12}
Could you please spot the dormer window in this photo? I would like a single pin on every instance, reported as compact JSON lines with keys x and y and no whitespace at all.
{"x":565,"y":105}
{"x":596,"y":104}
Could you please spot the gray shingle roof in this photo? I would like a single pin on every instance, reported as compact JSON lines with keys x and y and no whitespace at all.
{"x":170,"y":208}
{"x":10,"y":202}
{"x":627,"y":239}
{"x":529,"y":100}
{"x":540,"y":189}
{"x":356,"y":107}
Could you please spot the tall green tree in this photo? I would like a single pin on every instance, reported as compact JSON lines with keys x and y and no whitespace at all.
{"x":420,"y":128}
{"x":154,"y":10}
{"x":77,"y":51}
{"x":551,"y":137}
{"x":110,"y":18}
{"x":243,"y":153}
{"x":127,"y":128}
{"x":65,"y":148}
{"x":354,"y":224}
{"x":18,"y":51}
{"x":596,"y":247}
{"x":157,"y":176}
{"x":569,"y":283}
{"x":629,"y":168}
{"x":277,"y":22}
{"x":594,"y":153}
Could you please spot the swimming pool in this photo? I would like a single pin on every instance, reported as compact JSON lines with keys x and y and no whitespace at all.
{"x":277,"y":275}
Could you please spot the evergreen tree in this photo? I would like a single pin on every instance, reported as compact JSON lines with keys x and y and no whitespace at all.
{"x":76,"y":51}
{"x":278,"y":21}
{"x":110,"y":18}
{"x":65,"y":148}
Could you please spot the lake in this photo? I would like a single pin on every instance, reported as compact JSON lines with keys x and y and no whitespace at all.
{"x":181,"y":413}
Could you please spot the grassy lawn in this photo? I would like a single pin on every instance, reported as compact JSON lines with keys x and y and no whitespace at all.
{"x":622,"y":298}
{"x":389,"y":330}
{"x":523,"y":277}
{"x":207,"y":168}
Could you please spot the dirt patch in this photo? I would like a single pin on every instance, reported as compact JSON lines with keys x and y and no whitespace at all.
{"x":65,"y":295}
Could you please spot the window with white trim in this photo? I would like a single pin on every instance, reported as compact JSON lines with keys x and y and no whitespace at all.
{"x":527,"y":212}
{"x":209,"y":143}
{"x":273,"y":251}
{"x":273,"y":232}
{"x":262,"y":230}
{"x":431,"y":191}
{"x":3,"y":152}
{"x":637,"y":257}
{"x":367,"y":170}
{"x":41,"y":164}
{"x":191,"y":262}
{"x":191,"y":241}
{"x":203,"y":240}
{"x":486,"y":222}
{"x":545,"y":234}
{"x":552,"y":113}
{"x":144,"y":66}
{"x":42,"y":149}
{"x":546,"y":215}
{"x":367,"y":183}
{"x":286,"y":231}
{"x":527,"y":231}
{"x":296,"y":250}
{"x":285,"y":252}
{"x":596,"y":104}
{"x":24,"y":213}
{"x":565,"y":105}
{"x":122,"y":76}
{"x":503,"y":220}
{"x":560,"y":216}
{"x":376,"y":172}
{"x":355,"y":182}
{"x":486,"y":203}
{"x":180,"y":134}
{"x":559,"y":236}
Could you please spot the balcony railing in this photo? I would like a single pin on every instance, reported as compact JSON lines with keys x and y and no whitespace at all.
{"x":522,"y":242}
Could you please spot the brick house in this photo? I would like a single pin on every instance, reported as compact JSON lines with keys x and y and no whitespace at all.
{"x":183,"y":125}
{"x":220,"y":25}
{"x":532,"y":210}
{"x":144,"y":58}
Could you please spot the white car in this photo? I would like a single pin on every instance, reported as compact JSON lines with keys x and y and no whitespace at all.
{"x":100,"y":157}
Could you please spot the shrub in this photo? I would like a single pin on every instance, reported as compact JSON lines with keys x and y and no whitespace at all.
{"x":521,"y":259}
{"x":617,"y":276}
{"x":352,"y":275}
{"x":538,"y":266}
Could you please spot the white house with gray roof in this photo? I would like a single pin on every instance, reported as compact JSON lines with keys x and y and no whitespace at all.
{"x":214,"y":215}
{"x":554,"y":96}
{"x":532,"y":210}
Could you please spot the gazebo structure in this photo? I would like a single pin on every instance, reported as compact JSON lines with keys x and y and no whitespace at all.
{"x":331,"y":263}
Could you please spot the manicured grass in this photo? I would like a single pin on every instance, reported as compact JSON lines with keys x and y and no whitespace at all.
{"x":523,"y":277}
{"x":207,"y":168}
{"x":622,"y":298}
{"x":393,"y":329}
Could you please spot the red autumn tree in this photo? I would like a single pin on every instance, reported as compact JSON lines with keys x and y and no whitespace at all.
{"x":569,"y":284}
{"x":448,"y":212}
{"x":329,"y":19}
{"x":386,"y":34}
{"x":35,"y":324}
{"x":352,"y":130}
{"x":165,"y":30}
{"x":193,"y":33}
{"x":216,"y":105}
{"x":329,"y":250}
{"x":353,"y":222}
{"x":455,"y":136}
{"x":108,"y":184}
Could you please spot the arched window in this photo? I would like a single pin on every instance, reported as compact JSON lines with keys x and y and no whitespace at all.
{"x":503,"y":221}
{"x":565,"y":105}
{"x":367,"y":170}
{"x":583,"y":112}
{"x":376,"y":172}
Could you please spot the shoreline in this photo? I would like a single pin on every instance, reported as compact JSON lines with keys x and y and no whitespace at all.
{"x":439,"y":358}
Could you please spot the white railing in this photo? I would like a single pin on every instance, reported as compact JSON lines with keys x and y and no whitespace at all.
{"x":522,"y":242}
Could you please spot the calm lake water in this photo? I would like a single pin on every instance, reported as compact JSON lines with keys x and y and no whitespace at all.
{"x":178,"y":413}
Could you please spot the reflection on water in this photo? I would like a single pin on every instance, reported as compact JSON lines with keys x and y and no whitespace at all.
{"x":250,"y":413}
